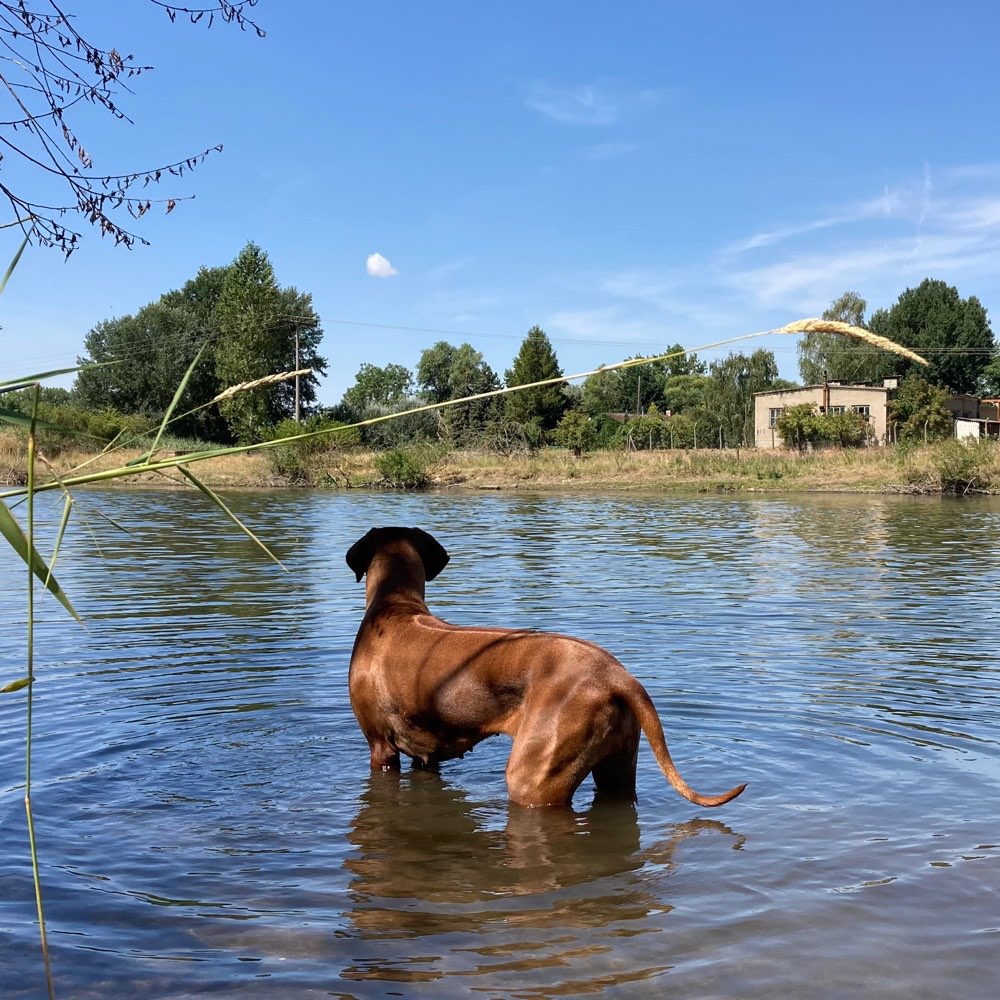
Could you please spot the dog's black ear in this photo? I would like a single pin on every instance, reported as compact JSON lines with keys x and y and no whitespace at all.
{"x":359,"y":555}
{"x":432,"y":552}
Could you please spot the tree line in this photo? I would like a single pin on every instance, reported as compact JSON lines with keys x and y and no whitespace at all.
{"x":235,"y":324}
{"x":678,"y":401}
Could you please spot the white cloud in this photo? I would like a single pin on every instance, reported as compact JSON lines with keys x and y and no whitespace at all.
{"x":590,"y":103}
{"x":379,"y":267}
{"x":586,"y":105}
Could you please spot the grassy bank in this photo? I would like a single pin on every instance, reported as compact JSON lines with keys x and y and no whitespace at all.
{"x":938,"y":468}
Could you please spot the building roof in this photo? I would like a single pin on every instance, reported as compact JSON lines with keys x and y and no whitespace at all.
{"x":820,"y":385}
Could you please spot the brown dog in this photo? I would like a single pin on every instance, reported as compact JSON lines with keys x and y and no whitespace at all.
{"x":433,"y":691}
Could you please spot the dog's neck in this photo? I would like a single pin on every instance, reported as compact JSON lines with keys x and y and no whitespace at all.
{"x":394,"y":578}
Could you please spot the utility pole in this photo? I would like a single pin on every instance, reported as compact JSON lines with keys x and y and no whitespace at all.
{"x":298,"y":409}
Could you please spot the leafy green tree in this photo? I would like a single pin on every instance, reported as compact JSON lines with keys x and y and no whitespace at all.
{"x":828,"y":355}
{"x":256,"y":323}
{"x":989,"y":384}
{"x":576,"y":431}
{"x":642,"y":386}
{"x":151,"y":351}
{"x":847,"y":429}
{"x":535,"y":362}
{"x":953,"y":333}
{"x":635,"y":389}
{"x":683,"y":393}
{"x":646,"y":432}
{"x":249,"y":344}
{"x":434,"y":372}
{"x":683,"y":363}
{"x":601,"y":393}
{"x":375,"y":386}
{"x":918,"y":411}
{"x":729,"y":393}
{"x":447,"y":372}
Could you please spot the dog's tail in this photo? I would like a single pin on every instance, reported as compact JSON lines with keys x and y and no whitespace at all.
{"x":645,"y":711}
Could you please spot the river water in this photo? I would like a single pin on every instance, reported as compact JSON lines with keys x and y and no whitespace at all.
{"x":208,"y":825}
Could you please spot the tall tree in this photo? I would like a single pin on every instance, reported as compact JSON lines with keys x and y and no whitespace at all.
{"x":729,"y":393}
{"x":683,"y":363}
{"x":602,"y":393}
{"x":153,"y":348}
{"x":953,"y":333}
{"x":828,"y":355}
{"x":683,"y":393}
{"x":255,"y":323}
{"x":535,"y":362}
{"x":375,"y":386}
{"x":150,"y":351}
{"x":918,"y":411}
{"x":447,"y":372}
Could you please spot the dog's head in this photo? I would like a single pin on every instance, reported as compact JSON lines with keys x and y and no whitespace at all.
{"x":431,"y":551}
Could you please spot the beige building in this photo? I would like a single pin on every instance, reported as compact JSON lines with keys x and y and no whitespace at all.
{"x":868,"y":400}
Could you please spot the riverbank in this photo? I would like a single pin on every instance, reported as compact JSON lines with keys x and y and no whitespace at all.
{"x":944,"y":467}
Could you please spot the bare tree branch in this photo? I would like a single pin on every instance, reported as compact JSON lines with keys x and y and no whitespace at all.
{"x":47,"y":69}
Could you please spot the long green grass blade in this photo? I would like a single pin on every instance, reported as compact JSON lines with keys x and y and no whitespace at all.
{"x":63,"y":521}
{"x":26,"y":381}
{"x":221,"y":504}
{"x":13,"y":264}
{"x":111,"y":521}
{"x":12,"y":531}
{"x":21,"y":682}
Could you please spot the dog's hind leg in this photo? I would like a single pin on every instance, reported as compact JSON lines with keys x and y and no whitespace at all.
{"x":614,"y":776}
{"x":554,"y":752}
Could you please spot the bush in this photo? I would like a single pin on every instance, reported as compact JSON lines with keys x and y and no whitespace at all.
{"x":849,"y":430}
{"x":403,"y":469}
{"x":799,"y":426}
{"x":919,"y":412}
{"x":298,"y":461}
{"x":89,"y":429}
{"x":576,"y":432}
{"x":965,"y":467}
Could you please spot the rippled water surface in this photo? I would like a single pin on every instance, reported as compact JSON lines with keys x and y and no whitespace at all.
{"x":208,"y":825}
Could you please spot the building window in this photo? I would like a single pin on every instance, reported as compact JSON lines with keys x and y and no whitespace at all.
{"x":773,"y":413}
{"x":838,"y":409}
{"x":864,"y":409}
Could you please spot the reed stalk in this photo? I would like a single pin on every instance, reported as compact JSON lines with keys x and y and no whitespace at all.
{"x":32,"y":842}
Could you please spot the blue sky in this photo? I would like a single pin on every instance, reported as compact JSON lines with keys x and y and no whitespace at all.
{"x":624,"y":176}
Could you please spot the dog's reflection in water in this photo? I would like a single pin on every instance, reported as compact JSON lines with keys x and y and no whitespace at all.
{"x":429,"y":860}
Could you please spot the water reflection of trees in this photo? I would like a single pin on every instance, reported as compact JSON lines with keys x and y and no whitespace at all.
{"x":462,"y":891}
